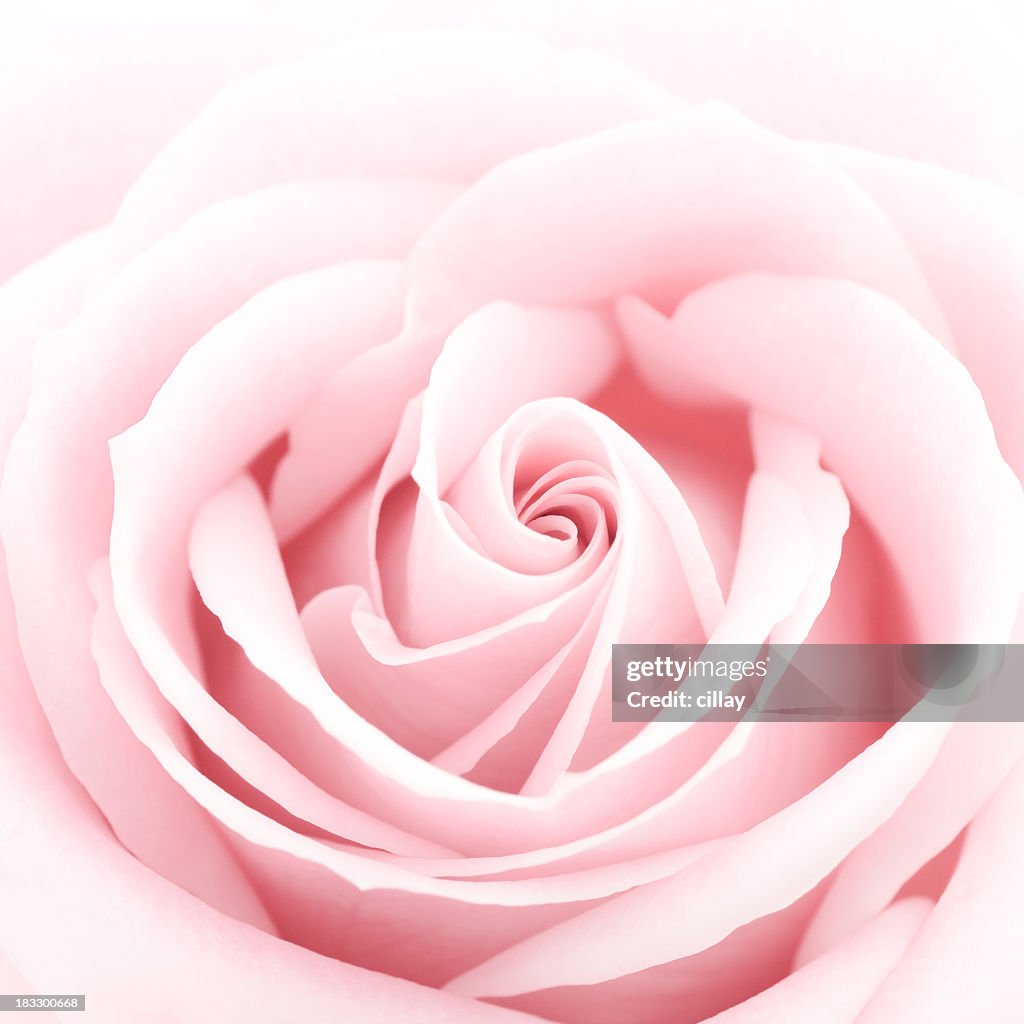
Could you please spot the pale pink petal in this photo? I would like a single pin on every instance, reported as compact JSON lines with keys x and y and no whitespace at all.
{"x":653,"y":521}
{"x":237,"y":570}
{"x":62,"y":873}
{"x":1017,"y":633}
{"x":973,"y":258}
{"x":309,"y":884}
{"x":456,"y":104}
{"x":377,"y":673}
{"x":773,"y":564}
{"x":536,"y":815}
{"x":703,"y":449}
{"x":427,"y":697}
{"x":452,"y":587}
{"x":867,"y":604}
{"x":496,"y":361}
{"x":42,"y":298}
{"x":344,"y":431}
{"x":792,"y":455}
{"x":59,"y":461}
{"x":466,"y":751}
{"x":973,"y":762}
{"x":266,"y":651}
{"x":836,"y":986}
{"x":758,"y":872}
{"x":275,"y":778}
{"x":500,"y":358}
{"x":816,"y":351}
{"x":659,"y":208}
{"x":686,"y":991}
{"x":81,"y":114}
{"x":333,"y":552}
{"x":179,"y":425}
{"x":582,"y":490}
{"x":976,"y":931}
{"x":938,"y":83}
{"x":151,"y":818}
{"x":12,"y":981}
{"x":171,"y":297}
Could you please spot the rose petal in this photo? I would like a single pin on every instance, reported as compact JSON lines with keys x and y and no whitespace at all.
{"x":41,"y":299}
{"x":150,"y":817}
{"x":973,"y":258}
{"x":656,"y":209}
{"x":237,"y":569}
{"x":756,"y":873}
{"x":180,"y":426}
{"x":455,"y":105}
{"x":927,"y":82}
{"x":773,"y":565}
{"x":468,"y":749}
{"x":498,"y":360}
{"x":195,"y":961}
{"x":973,"y":762}
{"x":837,"y":985}
{"x":704,"y":450}
{"x":956,"y":535}
{"x":81,"y":114}
{"x":427,"y":697}
{"x":977,"y":927}
{"x":792,"y":454}
{"x":59,"y":458}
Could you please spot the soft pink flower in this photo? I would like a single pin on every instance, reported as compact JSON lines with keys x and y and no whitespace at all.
{"x":359,"y":391}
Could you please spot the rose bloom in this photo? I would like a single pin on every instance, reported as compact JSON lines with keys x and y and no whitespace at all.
{"x":361,"y":389}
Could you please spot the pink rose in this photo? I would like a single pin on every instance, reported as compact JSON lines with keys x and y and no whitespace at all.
{"x":351,"y":416}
